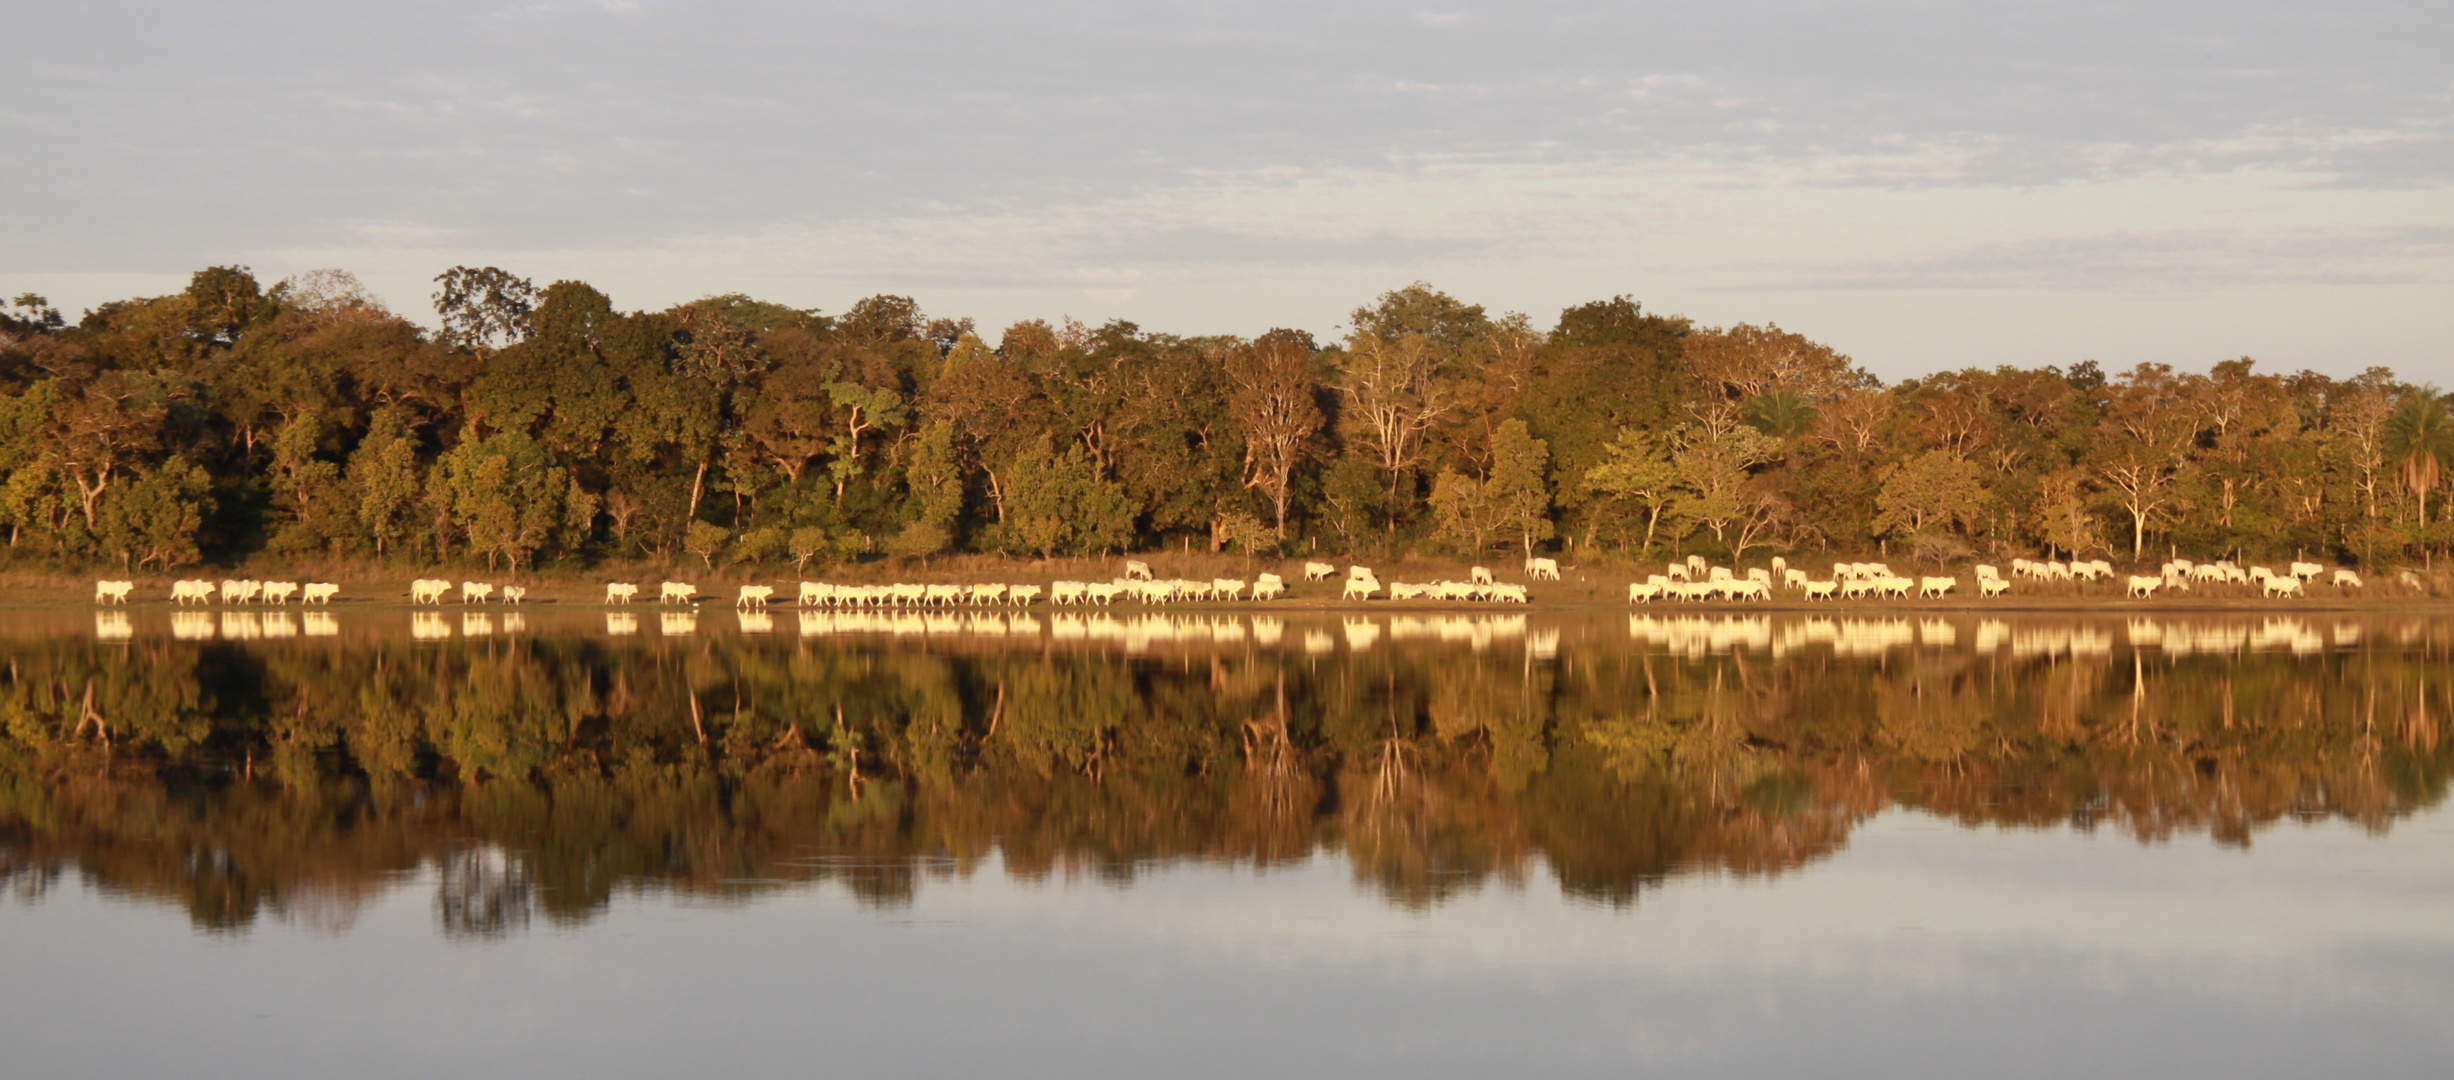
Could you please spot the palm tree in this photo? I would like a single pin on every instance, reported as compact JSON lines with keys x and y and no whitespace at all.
{"x":2420,"y":441}
{"x":1782,"y":414}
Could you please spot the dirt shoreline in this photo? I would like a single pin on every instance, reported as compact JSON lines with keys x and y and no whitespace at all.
{"x":1584,"y":590}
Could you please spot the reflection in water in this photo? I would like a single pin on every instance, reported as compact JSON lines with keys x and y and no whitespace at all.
{"x":538,"y":774}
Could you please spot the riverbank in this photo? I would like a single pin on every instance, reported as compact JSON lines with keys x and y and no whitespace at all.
{"x":1580,"y":588}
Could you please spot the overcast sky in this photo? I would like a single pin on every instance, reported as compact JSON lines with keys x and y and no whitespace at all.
{"x":1923,"y":185}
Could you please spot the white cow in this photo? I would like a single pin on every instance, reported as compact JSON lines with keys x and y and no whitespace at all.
{"x":1360,"y":572}
{"x":2283,"y":585}
{"x":1137,"y":570}
{"x":1933,"y":588}
{"x":113,"y":592}
{"x":680,"y":591}
{"x":1820,"y":590}
{"x":620,"y":592}
{"x":279,"y":592}
{"x":475,"y":592}
{"x":2348,"y":579}
{"x":1319,"y":571}
{"x":1481,"y":575}
{"x":234,"y":592}
{"x":428,"y":590}
{"x":2144,"y":587}
{"x":1267,"y":589}
{"x":1022,"y":595}
{"x":183,"y":591}
{"x":1542,"y":569}
{"x":319,"y":592}
{"x":754,"y":596}
{"x":513,"y":594}
{"x":1639,"y":592}
{"x":1992,"y":586}
{"x":1360,"y":588}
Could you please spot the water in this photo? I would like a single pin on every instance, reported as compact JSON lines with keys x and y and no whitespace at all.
{"x":562,"y":844}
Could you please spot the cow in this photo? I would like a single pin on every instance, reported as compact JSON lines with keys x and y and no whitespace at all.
{"x":1319,"y":571}
{"x":620,"y":592}
{"x":676,"y":591}
{"x":183,"y":591}
{"x":319,"y":592}
{"x":475,"y":592}
{"x":2348,"y":579}
{"x":1360,"y":588}
{"x":1137,"y":570}
{"x":1933,"y":588}
{"x":1820,"y":590}
{"x":2143,"y":587}
{"x":1481,"y":575}
{"x":754,"y":596}
{"x":1267,"y":589}
{"x":1992,"y":586}
{"x":513,"y":594}
{"x":2283,"y":585}
{"x":1639,"y":592}
{"x":1542,"y":569}
{"x":113,"y":592}
{"x":279,"y":592}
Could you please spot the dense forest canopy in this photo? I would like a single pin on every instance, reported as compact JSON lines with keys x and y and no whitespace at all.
{"x":546,"y":427}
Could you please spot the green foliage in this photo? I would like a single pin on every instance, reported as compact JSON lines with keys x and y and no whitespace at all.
{"x":1933,"y":490}
{"x":1056,"y":503}
{"x":505,"y":495}
{"x":152,"y":520}
{"x":327,"y":425}
{"x":1637,"y":470}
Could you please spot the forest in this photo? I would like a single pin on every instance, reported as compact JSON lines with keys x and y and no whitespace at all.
{"x":543,"y":428}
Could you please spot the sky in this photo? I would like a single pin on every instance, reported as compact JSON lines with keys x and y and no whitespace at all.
{"x":1922,"y":185}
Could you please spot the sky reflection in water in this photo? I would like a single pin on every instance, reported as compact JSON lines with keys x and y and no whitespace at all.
{"x":1579,"y":846}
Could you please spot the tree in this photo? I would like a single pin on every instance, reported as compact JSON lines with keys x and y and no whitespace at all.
{"x":483,"y":310}
{"x":1744,"y":362}
{"x":1932,"y":490}
{"x":1638,"y":470}
{"x":1393,"y":398}
{"x":2063,"y":518}
{"x":1519,"y":495}
{"x":1714,"y":463}
{"x":152,"y":521}
{"x":1273,"y":398}
{"x":110,"y":425}
{"x":935,"y":478}
{"x":1057,"y":503}
{"x":386,"y":477}
{"x":1461,"y":508}
{"x":2420,"y":442}
{"x":508,"y":497}
{"x":2142,"y":446}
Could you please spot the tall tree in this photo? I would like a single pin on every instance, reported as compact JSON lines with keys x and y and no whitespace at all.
{"x":1274,"y":392}
{"x":484,"y":309}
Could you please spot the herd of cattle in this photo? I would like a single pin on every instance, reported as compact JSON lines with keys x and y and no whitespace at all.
{"x":1692,"y":580}
{"x":184,"y":593}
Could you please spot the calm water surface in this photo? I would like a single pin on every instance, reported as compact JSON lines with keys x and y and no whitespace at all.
{"x":1117,"y":844}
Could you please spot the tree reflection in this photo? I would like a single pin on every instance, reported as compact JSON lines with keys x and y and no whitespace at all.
{"x":534,"y":776}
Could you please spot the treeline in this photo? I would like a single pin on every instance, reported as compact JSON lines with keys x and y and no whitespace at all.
{"x":237,"y":782}
{"x":546,"y":427}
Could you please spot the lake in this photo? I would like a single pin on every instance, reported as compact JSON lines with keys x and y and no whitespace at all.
{"x":1120,"y":843}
